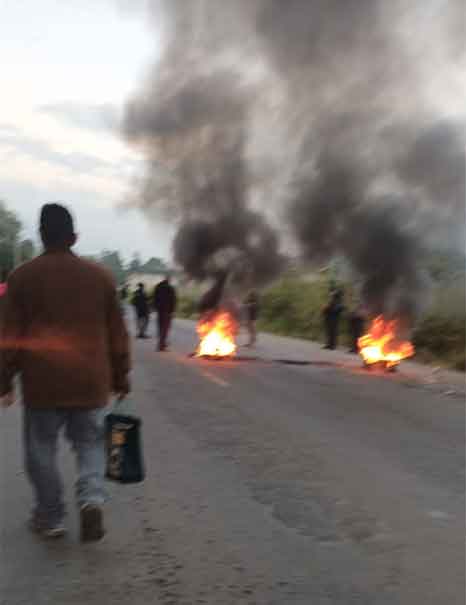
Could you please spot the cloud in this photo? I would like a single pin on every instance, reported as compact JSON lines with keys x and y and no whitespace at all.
{"x":100,"y":117}
{"x":98,"y":224}
{"x":8,"y":130}
{"x":13,"y":139}
{"x":26,"y":159}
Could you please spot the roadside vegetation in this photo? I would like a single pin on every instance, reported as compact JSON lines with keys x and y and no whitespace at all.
{"x":14,"y":249}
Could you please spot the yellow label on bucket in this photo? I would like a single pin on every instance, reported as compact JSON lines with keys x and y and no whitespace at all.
{"x":118,"y":438}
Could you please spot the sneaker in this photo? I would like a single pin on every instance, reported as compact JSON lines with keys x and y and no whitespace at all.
{"x":51,"y":532}
{"x":92,"y":528}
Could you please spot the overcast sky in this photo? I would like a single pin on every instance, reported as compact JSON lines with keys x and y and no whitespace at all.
{"x":67,"y":69}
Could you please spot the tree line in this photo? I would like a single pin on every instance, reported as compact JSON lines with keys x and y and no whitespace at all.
{"x":121,"y":271}
{"x":14,"y":250}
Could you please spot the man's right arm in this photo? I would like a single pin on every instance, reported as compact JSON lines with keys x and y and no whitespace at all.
{"x":11,"y":335}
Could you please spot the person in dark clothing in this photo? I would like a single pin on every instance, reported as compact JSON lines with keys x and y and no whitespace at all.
{"x":141,"y":306}
{"x":356,"y":324}
{"x":251,"y":304}
{"x":331,"y":313}
{"x":123,"y":298}
{"x":164,"y":303}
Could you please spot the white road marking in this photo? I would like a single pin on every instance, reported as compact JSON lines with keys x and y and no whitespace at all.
{"x":215,"y":379}
{"x":184,"y":359}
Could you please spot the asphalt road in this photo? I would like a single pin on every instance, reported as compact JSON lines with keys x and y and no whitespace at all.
{"x":268,"y":483}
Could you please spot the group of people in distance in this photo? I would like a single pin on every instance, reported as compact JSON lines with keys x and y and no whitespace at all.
{"x":163,"y":302}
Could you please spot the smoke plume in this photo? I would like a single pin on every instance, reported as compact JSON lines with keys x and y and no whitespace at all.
{"x":334,"y":126}
{"x":199,"y":128}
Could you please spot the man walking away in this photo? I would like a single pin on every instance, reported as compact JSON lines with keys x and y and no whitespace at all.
{"x":164,"y":303}
{"x":64,"y":336}
{"x":141,"y":306}
{"x":331,"y":313}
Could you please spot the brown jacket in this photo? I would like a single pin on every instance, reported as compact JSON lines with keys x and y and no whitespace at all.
{"x":63,"y":333}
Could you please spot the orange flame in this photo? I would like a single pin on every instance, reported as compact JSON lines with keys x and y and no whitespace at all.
{"x":217,"y":331}
{"x":381,"y":344}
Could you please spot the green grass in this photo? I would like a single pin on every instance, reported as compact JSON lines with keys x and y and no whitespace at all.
{"x":440,"y":335}
{"x":187,"y":306}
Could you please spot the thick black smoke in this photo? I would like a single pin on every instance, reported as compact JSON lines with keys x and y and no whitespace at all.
{"x":435,"y":164}
{"x":199,"y":128}
{"x":336,"y":120}
{"x":375,"y":167}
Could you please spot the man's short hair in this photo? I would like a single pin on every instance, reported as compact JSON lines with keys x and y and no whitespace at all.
{"x":56,"y":225}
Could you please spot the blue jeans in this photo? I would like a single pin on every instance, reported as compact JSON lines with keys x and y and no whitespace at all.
{"x":85,"y":430}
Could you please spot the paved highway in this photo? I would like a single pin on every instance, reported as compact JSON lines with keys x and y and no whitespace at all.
{"x":268,"y":483}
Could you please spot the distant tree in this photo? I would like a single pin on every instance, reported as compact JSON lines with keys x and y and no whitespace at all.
{"x":10,"y":228}
{"x":112,"y":260}
{"x":154,"y":266}
{"x":26,"y":250}
{"x":135,"y":265}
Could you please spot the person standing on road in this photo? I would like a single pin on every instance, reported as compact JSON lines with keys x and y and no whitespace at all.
{"x":164,"y":303}
{"x":123,"y":294}
{"x":331,"y":313}
{"x":251,"y":304}
{"x":64,"y":336}
{"x":357,"y":319}
{"x":141,"y":306}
